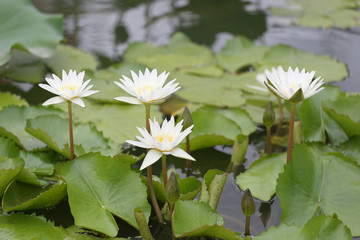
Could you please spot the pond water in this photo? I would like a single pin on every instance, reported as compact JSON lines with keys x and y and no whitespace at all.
{"x":106,"y":27}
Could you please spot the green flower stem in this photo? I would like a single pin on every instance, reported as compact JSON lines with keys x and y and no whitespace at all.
{"x":142,"y":224}
{"x":291,"y":132}
{"x":268,"y":139}
{"x":171,"y":207}
{"x":164,"y":170}
{"x":188,"y":162}
{"x":71,"y":131}
{"x":247,"y":226}
{"x":149,"y":173}
{"x":281,"y":112}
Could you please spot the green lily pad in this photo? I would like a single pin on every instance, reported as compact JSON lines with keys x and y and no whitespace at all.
{"x":9,"y":169}
{"x":316,"y":123}
{"x":310,"y":184}
{"x":325,"y":66}
{"x":24,"y":27}
{"x":24,"y":67}
{"x":212,"y":186}
{"x":53,"y":130}
{"x":8,"y":99}
{"x":206,"y":71}
{"x":351,"y":148}
{"x":39,"y":162}
{"x":13,"y":121}
{"x":24,"y":227}
{"x":180,"y":53}
{"x":100,"y":186}
{"x":26,"y":176}
{"x":199,"y":219}
{"x":322,"y":13}
{"x":261,"y":176}
{"x":345,"y":111}
{"x":23,"y":196}
{"x":318,"y":228}
{"x":240,"y":52}
{"x":8,"y":148}
{"x":68,"y":57}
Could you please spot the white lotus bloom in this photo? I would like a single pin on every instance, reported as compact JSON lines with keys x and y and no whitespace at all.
{"x":261,"y":78}
{"x":147,"y":88}
{"x":162,"y":140}
{"x":70,"y":88}
{"x":286,"y":84}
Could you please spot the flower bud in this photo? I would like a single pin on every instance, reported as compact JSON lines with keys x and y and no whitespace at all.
{"x":172,"y":190}
{"x":247,"y":203}
{"x":187,"y":118}
{"x":269,"y":115}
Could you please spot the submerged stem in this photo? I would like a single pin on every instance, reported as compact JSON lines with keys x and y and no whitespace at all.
{"x":149,"y":172}
{"x":71,"y":131}
{"x":291,"y":132}
{"x":164,"y":170}
{"x":268,"y":139}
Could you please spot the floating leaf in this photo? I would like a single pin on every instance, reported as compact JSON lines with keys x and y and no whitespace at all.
{"x":24,"y":67}
{"x":199,"y":219}
{"x":99,"y":186}
{"x":240,"y":52}
{"x":68,"y":57}
{"x":8,"y":99}
{"x":8,"y":148}
{"x":351,"y":148}
{"x":24,"y":27}
{"x":9,"y":169}
{"x":213,"y":184}
{"x":26,"y":176}
{"x":318,"y":228}
{"x":326,"y":67}
{"x":39,"y":162}
{"x":13,"y":121}
{"x":53,"y":130}
{"x":23,"y":196}
{"x":316,"y":123}
{"x":345,"y":111}
{"x":24,"y":227}
{"x":261,"y":176}
{"x":311,"y":183}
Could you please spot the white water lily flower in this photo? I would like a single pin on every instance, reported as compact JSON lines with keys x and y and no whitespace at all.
{"x":147,"y":88}
{"x":261,"y":78}
{"x":69,"y":88}
{"x":162,"y":140}
{"x":286,"y":84}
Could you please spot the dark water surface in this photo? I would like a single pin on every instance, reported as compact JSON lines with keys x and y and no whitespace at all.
{"x":106,"y":27}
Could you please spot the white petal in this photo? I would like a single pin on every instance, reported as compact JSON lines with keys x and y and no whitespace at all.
{"x":53,"y":100}
{"x":138,"y":144}
{"x":130,"y":100}
{"x":49,"y":88}
{"x":78,"y":101}
{"x":151,"y":157}
{"x":178,"y":152}
{"x":88,"y":93}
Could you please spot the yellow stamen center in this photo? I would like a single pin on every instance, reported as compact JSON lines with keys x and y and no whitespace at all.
{"x":160,"y":138}
{"x":70,"y":87}
{"x":146,"y":87}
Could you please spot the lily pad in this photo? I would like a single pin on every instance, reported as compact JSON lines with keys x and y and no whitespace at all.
{"x":24,"y":67}
{"x":322,"y":13}
{"x":318,"y":228}
{"x":261,"y":176}
{"x":8,"y":99}
{"x":68,"y":57}
{"x":13,"y":121}
{"x":53,"y":130}
{"x":283,"y":55}
{"x":351,"y":148}
{"x":199,"y":219}
{"x":23,"y":196}
{"x":212,"y":186}
{"x":100,"y":186}
{"x":8,"y":148}
{"x":345,"y":111}
{"x":39,"y":162}
{"x":310,"y":184}
{"x":24,"y":227}
{"x":9,"y":170}
{"x":240,"y":52}
{"x":316,"y":123}
{"x":24,"y":27}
